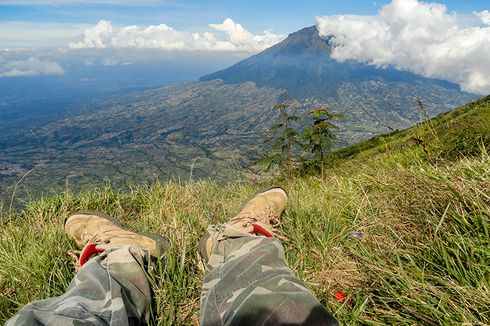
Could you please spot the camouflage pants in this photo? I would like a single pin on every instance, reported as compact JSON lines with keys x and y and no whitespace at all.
{"x":110,"y":289}
{"x":247,"y":282}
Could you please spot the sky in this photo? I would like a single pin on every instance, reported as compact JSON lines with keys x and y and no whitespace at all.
{"x":447,"y":39}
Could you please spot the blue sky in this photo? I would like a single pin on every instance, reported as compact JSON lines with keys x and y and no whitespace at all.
{"x":283,"y":16}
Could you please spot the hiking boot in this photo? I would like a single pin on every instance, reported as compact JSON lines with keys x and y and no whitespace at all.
{"x":257,"y":215}
{"x":102,"y":232}
{"x":260,"y":213}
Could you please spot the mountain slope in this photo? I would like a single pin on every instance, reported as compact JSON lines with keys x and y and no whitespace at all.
{"x":302,"y":65}
{"x":401,"y":226}
{"x":456,"y":134}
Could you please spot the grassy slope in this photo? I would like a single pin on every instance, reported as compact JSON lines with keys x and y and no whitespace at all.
{"x":421,"y":197}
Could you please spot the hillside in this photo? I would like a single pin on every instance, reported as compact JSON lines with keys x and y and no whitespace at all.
{"x":399,"y":222}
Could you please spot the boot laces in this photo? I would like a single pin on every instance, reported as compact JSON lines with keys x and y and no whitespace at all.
{"x":266,"y":218}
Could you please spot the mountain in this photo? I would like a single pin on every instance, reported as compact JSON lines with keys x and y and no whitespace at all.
{"x":209,"y":128}
{"x":372,"y":100}
{"x":302,"y":65}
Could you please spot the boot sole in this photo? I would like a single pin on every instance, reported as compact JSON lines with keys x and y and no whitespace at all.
{"x":162,"y":242}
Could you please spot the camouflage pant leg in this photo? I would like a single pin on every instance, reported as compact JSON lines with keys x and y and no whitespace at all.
{"x":110,"y":289}
{"x":248,"y":282}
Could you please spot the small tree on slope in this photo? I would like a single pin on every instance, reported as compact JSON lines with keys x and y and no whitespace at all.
{"x":284,"y":138}
{"x":318,"y":137}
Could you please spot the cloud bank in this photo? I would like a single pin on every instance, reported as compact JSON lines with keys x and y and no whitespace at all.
{"x":29,"y":67}
{"x":229,"y":36}
{"x":416,"y":36}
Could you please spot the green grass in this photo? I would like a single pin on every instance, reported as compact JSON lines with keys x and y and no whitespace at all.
{"x":423,"y":208}
{"x":454,"y":134}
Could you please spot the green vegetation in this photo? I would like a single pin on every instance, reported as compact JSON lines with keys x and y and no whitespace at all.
{"x":318,"y":136}
{"x":292,"y":149}
{"x":400,"y":223}
{"x":285,"y":139}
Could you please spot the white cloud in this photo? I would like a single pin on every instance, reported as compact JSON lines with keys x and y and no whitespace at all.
{"x":415,"y":36}
{"x":230,"y":36}
{"x":29,"y":67}
{"x":484,"y":16}
{"x":116,"y":62}
{"x":242,"y":39}
{"x":88,"y":62}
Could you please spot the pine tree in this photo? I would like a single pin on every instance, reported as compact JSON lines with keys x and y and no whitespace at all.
{"x":284,"y":138}
{"x":319,"y":135}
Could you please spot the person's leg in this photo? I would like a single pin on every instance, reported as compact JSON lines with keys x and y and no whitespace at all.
{"x":247,"y":280}
{"x":111,"y":288}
